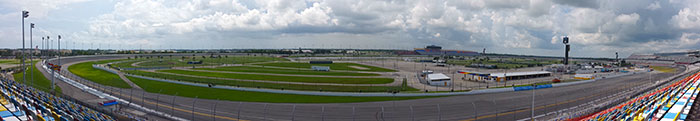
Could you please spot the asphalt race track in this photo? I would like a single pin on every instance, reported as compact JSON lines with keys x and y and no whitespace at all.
{"x":484,"y":107}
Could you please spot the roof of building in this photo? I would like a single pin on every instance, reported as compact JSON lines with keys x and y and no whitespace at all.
{"x":472,"y":72}
{"x":437,"y":76}
{"x":509,"y":74}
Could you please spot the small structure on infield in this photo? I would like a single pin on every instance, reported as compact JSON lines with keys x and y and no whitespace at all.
{"x":438,"y":79}
{"x":320,"y":68}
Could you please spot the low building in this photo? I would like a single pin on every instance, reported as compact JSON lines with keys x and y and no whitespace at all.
{"x":497,"y":77}
{"x":438,"y":79}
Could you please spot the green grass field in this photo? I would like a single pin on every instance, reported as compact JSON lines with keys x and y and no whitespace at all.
{"x":664,"y":69}
{"x":40,"y":82}
{"x":86,"y":71}
{"x":233,"y":95}
{"x":334,"y":66}
{"x":276,"y":85}
{"x":284,"y":71}
{"x":9,"y":61}
{"x":178,"y":61}
{"x":285,"y":78}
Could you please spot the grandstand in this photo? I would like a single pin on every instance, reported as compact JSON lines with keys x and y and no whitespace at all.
{"x":22,"y":103}
{"x":670,"y":103}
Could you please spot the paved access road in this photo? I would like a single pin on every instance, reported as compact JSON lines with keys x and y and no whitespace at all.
{"x":487,"y":107}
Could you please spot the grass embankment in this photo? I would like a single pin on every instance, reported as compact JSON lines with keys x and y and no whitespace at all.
{"x":181,"y":61}
{"x":40,"y":81}
{"x":284,"y":71}
{"x":664,"y":69}
{"x":86,"y":71}
{"x":334,"y":66}
{"x":285,"y":78}
{"x":302,"y":87}
{"x":234,"y":95}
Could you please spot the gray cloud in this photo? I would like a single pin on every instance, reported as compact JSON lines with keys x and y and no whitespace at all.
{"x":596,"y":27}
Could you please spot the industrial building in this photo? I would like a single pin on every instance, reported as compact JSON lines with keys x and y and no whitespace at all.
{"x":480,"y":76}
{"x":437,"y":50}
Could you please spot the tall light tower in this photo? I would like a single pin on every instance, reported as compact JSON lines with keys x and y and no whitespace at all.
{"x":53,"y":84}
{"x":48,"y":46}
{"x":25,"y":14}
{"x":617,"y":60}
{"x":566,"y":53}
{"x":42,"y":46}
{"x":31,"y":51}
{"x":59,"y":50}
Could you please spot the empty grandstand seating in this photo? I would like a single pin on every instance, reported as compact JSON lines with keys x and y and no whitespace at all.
{"x":670,"y":103}
{"x":21,"y":102}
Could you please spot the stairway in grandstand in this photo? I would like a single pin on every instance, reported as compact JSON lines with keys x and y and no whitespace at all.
{"x":670,"y":103}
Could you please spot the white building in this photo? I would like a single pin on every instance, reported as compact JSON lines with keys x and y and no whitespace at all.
{"x":438,"y":79}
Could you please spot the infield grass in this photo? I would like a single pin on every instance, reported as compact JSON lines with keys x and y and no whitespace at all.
{"x":664,"y":69}
{"x":284,"y":78}
{"x":10,"y":61}
{"x":40,"y":81}
{"x":331,"y":88}
{"x":86,"y":71}
{"x":334,"y":66}
{"x":253,"y":69}
{"x":247,"y":96}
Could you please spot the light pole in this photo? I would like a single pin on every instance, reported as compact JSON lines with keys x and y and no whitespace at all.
{"x":53,"y":71}
{"x":25,"y":14}
{"x":532,"y":114}
{"x":59,"y":50}
{"x":42,"y":46}
{"x":31,"y":52}
{"x":48,"y":48}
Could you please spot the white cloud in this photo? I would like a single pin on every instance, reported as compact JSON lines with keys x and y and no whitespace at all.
{"x":627,"y":18}
{"x":654,"y":6}
{"x":687,"y":19}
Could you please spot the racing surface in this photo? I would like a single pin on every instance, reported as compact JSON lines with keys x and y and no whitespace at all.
{"x":505,"y":106}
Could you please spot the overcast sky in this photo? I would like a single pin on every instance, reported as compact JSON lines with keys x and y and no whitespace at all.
{"x":597,"y":28}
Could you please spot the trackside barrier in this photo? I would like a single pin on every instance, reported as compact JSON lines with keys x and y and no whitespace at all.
{"x":105,"y":95}
{"x":523,"y":88}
